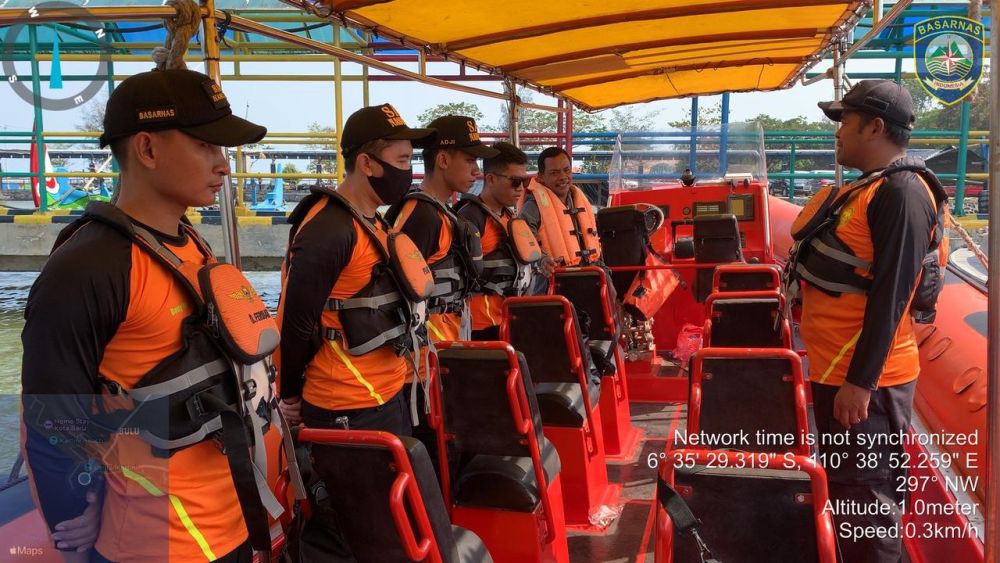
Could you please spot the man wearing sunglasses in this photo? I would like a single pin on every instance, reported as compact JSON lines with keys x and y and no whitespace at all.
{"x":504,"y":181}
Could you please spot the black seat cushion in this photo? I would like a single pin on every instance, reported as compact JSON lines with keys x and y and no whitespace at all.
{"x":505,"y":482}
{"x":561,"y":404}
{"x":469,"y":548}
{"x":751,"y":516}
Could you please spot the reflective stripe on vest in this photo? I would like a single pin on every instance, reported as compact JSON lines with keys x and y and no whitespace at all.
{"x":562,"y":230}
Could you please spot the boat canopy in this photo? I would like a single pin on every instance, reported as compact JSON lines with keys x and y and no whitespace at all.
{"x":601,"y":53}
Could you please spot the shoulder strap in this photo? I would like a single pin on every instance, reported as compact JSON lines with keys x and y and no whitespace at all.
{"x":368,"y":227}
{"x":419,"y":195}
{"x":478,"y":202}
{"x":115,"y":218}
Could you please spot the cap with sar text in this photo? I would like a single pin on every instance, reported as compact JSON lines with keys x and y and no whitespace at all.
{"x":379,"y":122}
{"x":179,"y":99}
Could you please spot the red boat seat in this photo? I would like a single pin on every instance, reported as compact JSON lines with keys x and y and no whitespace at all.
{"x":746,"y":319}
{"x":588,"y":289}
{"x":532,"y":326}
{"x":770,"y":514}
{"x":716,"y":240}
{"x":545,"y":329}
{"x":505,"y":482}
{"x":744,"y":391}
{"x":411,"y":522}
{"x":507,"y":479}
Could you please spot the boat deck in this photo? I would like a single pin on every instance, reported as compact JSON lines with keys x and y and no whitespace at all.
{"x":630,"y":536}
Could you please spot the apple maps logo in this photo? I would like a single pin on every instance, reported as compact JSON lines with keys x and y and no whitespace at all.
{"x":46,"y":21}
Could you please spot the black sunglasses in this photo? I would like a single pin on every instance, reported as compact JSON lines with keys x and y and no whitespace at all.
{"x":515,"y":181}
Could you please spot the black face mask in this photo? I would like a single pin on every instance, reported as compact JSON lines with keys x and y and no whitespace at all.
{"x":393,"y":184}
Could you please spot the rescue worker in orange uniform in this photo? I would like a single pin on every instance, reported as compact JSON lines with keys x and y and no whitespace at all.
{"x":859,"y":284}
{"x":346,"y":311}
{"x":561,"y":217}
{"x":110,"y":317}
{"x":334,"y":267}
{"x":448,"y":242}
{"x":451,"y":168}
{"x":491,"y":212}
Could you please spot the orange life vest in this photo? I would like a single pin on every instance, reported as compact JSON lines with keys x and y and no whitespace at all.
{"x":569,"y":236}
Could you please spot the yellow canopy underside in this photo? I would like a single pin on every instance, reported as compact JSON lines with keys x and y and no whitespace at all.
{"x":604,"y":53}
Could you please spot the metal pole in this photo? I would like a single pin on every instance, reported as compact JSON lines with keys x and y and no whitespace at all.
{"x":338,"y":103}
{"x":993,"y":319}
{"x":36,"y":90}
{"x":693,"y":154}
{"x":838,"y":94}
{"x":364,"y":73}
{"x":791,"y":171}
{"x":513,"y":125}
{"x":245,"y":24}
{"x":724,"y":136}
{"x":569,"y":130}
{"x":963,"y":147}
{"x":210,"y":44}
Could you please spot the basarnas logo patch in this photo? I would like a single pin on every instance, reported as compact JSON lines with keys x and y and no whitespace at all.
{"x":948,"y":51}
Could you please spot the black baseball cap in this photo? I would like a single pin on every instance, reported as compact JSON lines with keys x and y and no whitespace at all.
{"x":881,"y":98}
{"x":460,"y":132}
{"x":176,"y":99}
{"x":379,"y":122}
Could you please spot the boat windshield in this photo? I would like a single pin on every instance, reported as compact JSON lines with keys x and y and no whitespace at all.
{"x":643,"y":160}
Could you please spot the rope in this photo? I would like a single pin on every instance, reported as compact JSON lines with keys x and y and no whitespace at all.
{"x":969,"y":243}
{"x":180,"y":29}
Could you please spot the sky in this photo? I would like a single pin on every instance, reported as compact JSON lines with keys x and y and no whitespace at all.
{"x":292,"y":106}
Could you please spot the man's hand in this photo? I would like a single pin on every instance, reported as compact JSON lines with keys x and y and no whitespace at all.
{"x":850,"y":406}
{"x":80,"y":533}
{"x":291,"y":409}
{"x":546,"y":265}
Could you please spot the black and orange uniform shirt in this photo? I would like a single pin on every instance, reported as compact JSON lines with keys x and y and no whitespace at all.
{"x":430,"y":230}
{"x":331,"y":257}
{"x":486,"y":308}
{"x":103,"y":310}
{"x":868,"y":339}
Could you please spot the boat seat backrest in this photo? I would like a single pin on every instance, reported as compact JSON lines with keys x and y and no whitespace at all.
{"x":748,"y":515}
{"x":583,"y":290}
{"x":746,"y":323}
{"x":716,"y":240}
{"x":747,"y":395}
{"x":476,"y":410}
{"x":359,"y":480}
{"x":536,"y":329}
{"x":751,"y":277}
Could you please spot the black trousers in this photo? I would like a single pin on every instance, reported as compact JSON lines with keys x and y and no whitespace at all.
{"x":322,"y":540}
{"x":486,"y":334}
{"x":861,"y":475}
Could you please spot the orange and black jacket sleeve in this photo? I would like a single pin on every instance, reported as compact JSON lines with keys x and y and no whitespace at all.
{"x":73,"y":310}
{"x":321,"y":250}
{"x":900,"y":218}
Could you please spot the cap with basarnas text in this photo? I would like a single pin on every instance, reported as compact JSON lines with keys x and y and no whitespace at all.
{"x":460,"y":132}
{"x":880,"y":98}
{"x":176,"y":99}
{"x":379,"y":122}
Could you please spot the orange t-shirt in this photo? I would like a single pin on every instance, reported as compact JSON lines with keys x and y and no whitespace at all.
{"x":832,"y":326}
{"x":332,"y":250}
